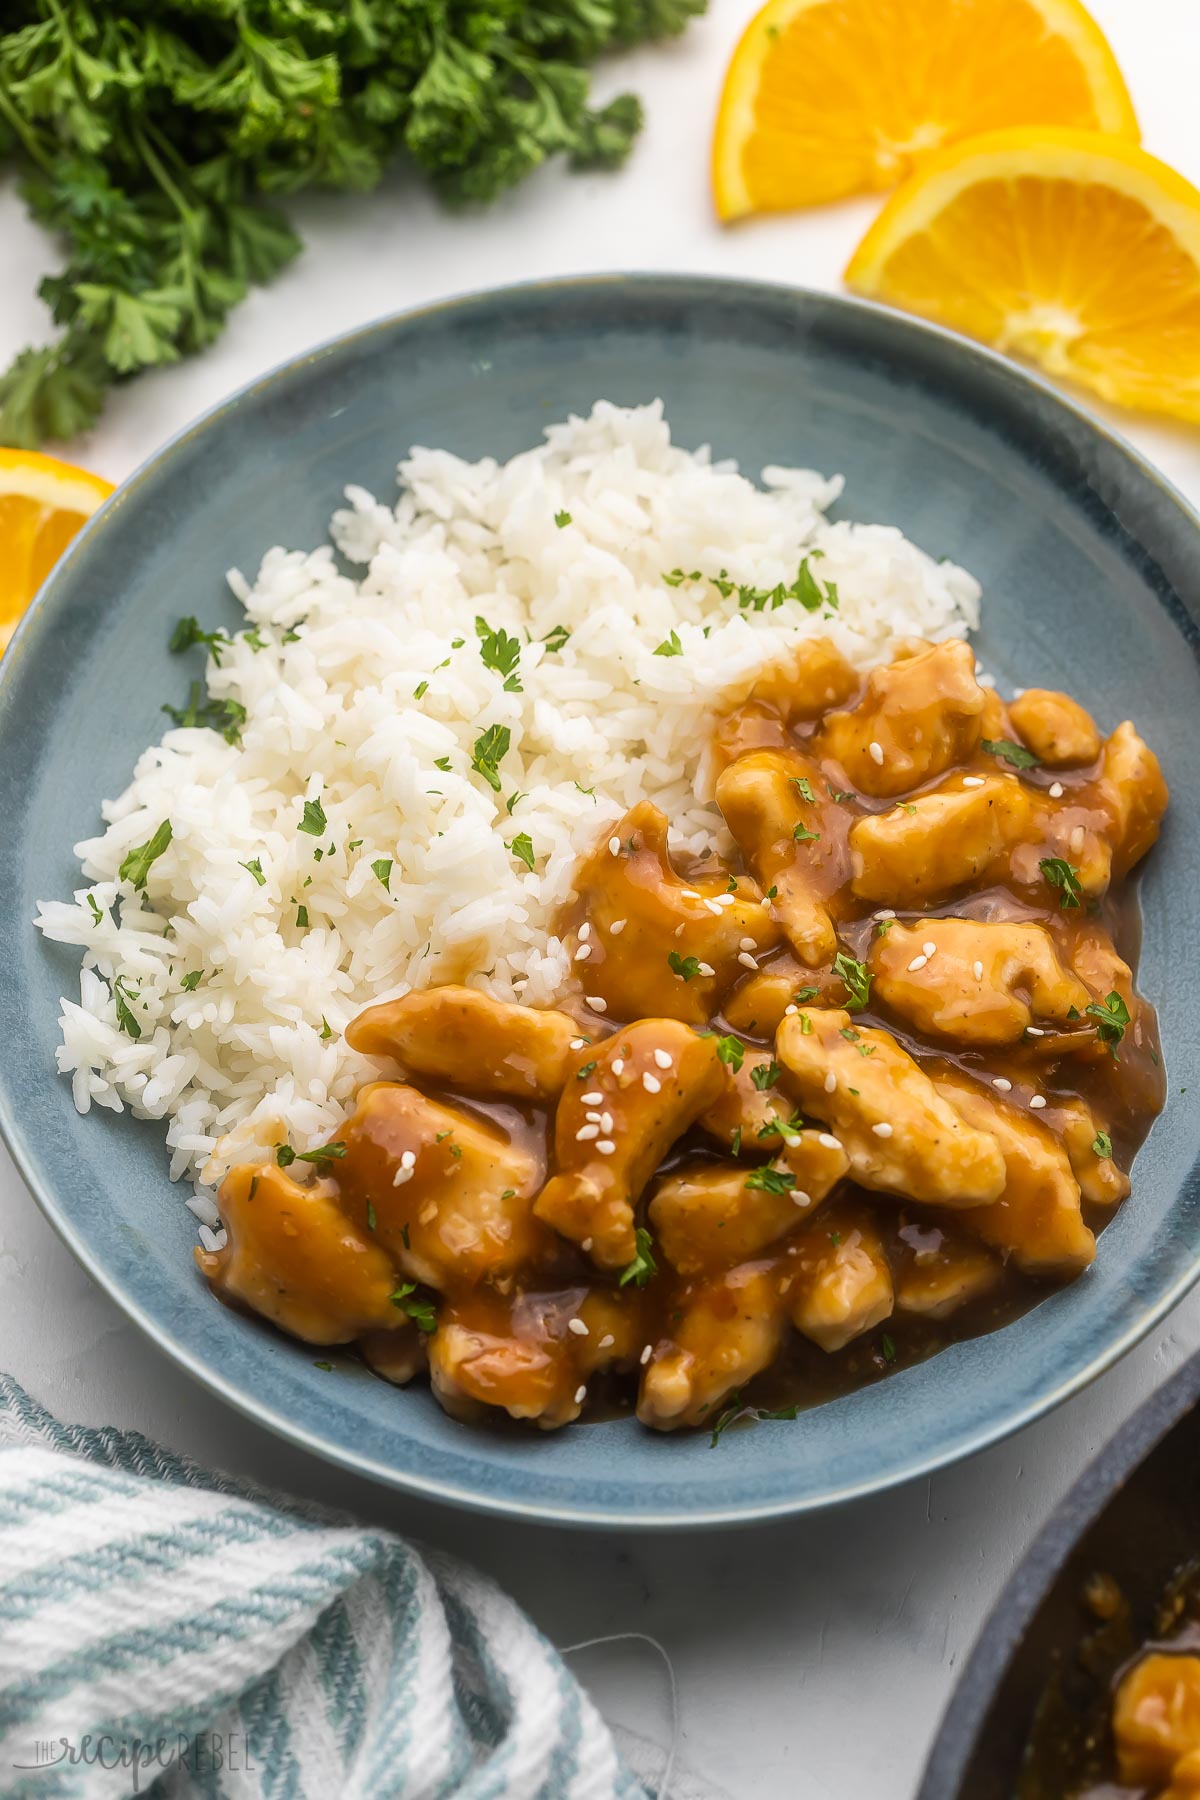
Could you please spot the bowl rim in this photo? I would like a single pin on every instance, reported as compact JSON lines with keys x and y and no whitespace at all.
{"x":1002,"y":1632}
{"x":1025,"y":383}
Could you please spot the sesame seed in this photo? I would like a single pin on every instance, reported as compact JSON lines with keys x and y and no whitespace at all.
{"x":596,"y":1002}
{"x":607,"y":1341}
{"x":408,"y":1160}
{"x":618,"y":1067}
{"x":663,"y":1059}
{"x":614,"y":846}
{"x":585,"y":932}
{"x":401,"y":1176}
{"x":606,"y":1123}
{"x":591,"y":1099}
{"x":616,"y":928}
{"x":1077,"y":839}
{"x":972,"y":781}
{"x":651,"y":1083}
{"x":578,"y":1327}
{"x":647,"y":1353}
{"x":713,"y":907}
{"x":583,"y":952}
{"x":427,"y":1213}
{"x":831,"y":1083}
{"x":1038,"y":1101}
{"x":918,"y":962}
{"x":791,"y":1142}
{"x":689,"y":893}
{"x":746,"y":960}
{"x":789,"y":1010}
{"x":586,"y":1133}
{"x":977,"y":970}
{"x":578,"y":1043}
{"x":800,"y":1198}
{"x":1034,"y":1031}
{"x":1017,"y":692}
{"x":1003,"y":1084}
{"x":580,"y":1395}
{"x":586,"y":1244}
{"x":705,"y":969}
{"x":929,"y":949}
{"x":606,"y":1147}
{"x":885,"y":912}
{"x":765,"y":903}
{"x":726,"y":899}
{"x":875,"y":752}
{"x":1056,"y":790}
{"x":593,"y":1118}
{"x":883,"y":1129}
{"x":747,"y":943}
{"x":829,"y":1142}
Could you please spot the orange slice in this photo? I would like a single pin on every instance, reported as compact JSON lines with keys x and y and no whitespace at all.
{"x":43,"y":503}
{"x":1076,"y":250}
{"x":831,"y":97}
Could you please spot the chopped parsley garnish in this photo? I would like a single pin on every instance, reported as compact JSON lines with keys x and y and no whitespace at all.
{"x":522,"y":848}
{"x":562,"y":519}
{"x":225,"y":716}
{"x":803,"y":835}
{"x":1064,"y":876}
{"x":254,"y":867}
{"x":285,"y":1156}
{"x":123,"y":995}
{"x":677,"y":577}
{"x":732,"y":1052}
{"x":490,"y":748}
{"x":735,"y":1140}
{"x":670,"y":646}
{"x":840,"y":794}
{"x":781,"y":1127}
{"x":381,"y":868}
{"x":683,"y":966}
{"x":643,"y":1265}
{"x":314,"y":820}
{"x":805,"y":1024}
{"x":255,"y":639}
{"x":555,"y":639}
{"x":735,"y":1410}
{"x":97,"y":912}
{"x":857,"y":978}
{"x":805,"y":785}
{"x":584,"y":1070}
{"x":883,"y":926}
{"x":421,"y":1312}
{"x":888,"y":1348}
{"x":136,"y":865}
{"x":771,"y":1181}
{"x":443,"y":763}
{"x":1016,"y":754}
{"x":188,"y":632}
{"x":370,"y":1217}
{"x":1102,"y":1145}
{"x":804,"y":994}
{"x":191,"y":981}
{"x":326,"y":1030}
{"x":512,"y":801}
{"x":302,"y":917}
{"x":765,"y":1075}
{"x":500,"y":652}
{"x":326,"y":1367}
{"x":1112,"y":1016}
{"x":772,"y":893}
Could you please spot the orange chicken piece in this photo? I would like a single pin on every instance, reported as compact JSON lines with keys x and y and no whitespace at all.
{"x":707,"y":1216}
{"x":982,"y":984}
{"x":1156,"y":1718}
{"x":724,"y":1332}
{"x":1055,"y":727}
{"x":843,"y":1285}
{"x":940,"y":843}
{"x":465,"y":1038}
{"x":919,"y":716}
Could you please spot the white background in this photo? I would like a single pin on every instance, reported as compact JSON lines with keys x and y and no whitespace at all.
{"x":813,"y":1658}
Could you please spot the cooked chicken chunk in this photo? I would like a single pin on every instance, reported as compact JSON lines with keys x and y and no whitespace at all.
{"x":619,"y":1115}
{"x":523,"y":1355}
{"x":727,"y":1330}
{"x":940,"y":1274}
{"x":900,"y":1135}
{"x":940,"y":843}
{"x":758,"y":1005}
{"x":917,"y":718}
{"x":843,"y":1286}
{"x":792,"y":833}
{"x":801,"y":683}
{"x":396,"y":1355}
{"x":451,"y":1197}
{"x":1100,"y":1180}
{"x":709,"y":1216}
{"x":659,"y":944}
{"x":1055,"y":727}
{"x":1135,"y":795}
{"x":750,"y":1106}
{"x":470,"y":1041}
{"x":293,"y":1255}
{"x":980,"y":984}
{"x":1156,"y":1718}
{"x":1037,"y":1219}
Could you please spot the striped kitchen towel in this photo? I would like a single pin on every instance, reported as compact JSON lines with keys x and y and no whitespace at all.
{"x":169,"y":1631}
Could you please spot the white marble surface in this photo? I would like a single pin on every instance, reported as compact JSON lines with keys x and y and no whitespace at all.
{"x":813,"y":1658}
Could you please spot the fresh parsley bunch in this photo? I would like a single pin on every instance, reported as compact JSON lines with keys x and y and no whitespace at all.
{"x":154,"y":137}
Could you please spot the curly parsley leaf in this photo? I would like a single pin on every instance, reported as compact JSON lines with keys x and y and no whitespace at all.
{"x":314,"y":820}
{"x":1102,"y":1145}
{"x":670,"y":646}
{"x":1016,"y":754}
{"x":1062,"y":875}
{"x":643,"y":1266}
{"x":1112,"y":1016}
{"x":381,"y":868}
{"x":422,"y":1312}
{"x":522,"y":848}
{"x":857,"y":979}
{"x":732,"y":1052}
{"x":123,"y":997}
{"x":771,"y":1181}
{"x":488,"y":752}
{"x":135,"y":866}
{"x":686,"y":967}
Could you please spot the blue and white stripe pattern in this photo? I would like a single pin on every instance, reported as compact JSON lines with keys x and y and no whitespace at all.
{"x":163,"y":1629}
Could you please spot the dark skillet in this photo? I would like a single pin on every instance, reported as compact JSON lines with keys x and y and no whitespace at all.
{"x":1134,"y":1514}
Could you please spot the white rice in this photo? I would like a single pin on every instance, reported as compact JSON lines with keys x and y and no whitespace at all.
{"x":331,"y":714}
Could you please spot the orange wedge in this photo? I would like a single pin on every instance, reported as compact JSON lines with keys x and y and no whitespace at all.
{"x":43,"y":503}
{"x":1076,"y":250}
{"x":825,"y":98}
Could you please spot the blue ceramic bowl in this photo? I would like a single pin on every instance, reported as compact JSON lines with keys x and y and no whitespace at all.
{"x":1091,"y":571}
